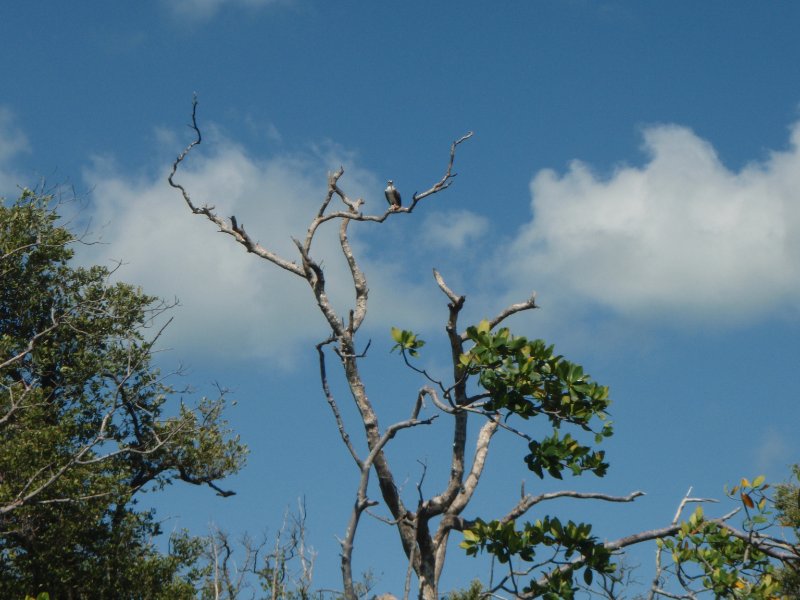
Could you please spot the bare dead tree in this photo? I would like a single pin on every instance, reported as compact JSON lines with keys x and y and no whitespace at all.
{"x":425,"y":550}
{"x":283,"y":567}
{"x":423,"y":529}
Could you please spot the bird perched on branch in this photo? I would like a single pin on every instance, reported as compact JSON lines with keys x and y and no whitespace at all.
{"x":392,"y":195}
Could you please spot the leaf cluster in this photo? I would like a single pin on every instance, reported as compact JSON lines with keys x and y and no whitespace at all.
{"x":527,"y":378}
{"x":406,"y":341}
{"x":710,"y":555}
{"x":569,"y":544}
{"x":84,"y":423}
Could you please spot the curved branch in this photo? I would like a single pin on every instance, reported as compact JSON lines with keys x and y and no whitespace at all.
{"x":431,"y":393}
{"x":359,"y":280}
{"x":630,"y":540}
{"x":529,"y":304}
{"x":313,"y":273}
{"x":332,"y":403}
{"x":527,"y":502}
{"x":451,"y":295}
{"x":232,"y":228}
{"x":447,"y":180}
{"x":478,"y":463}
{"x":422,"y":372}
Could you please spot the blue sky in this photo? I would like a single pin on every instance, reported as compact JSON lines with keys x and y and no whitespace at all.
{"x":635,"y":163}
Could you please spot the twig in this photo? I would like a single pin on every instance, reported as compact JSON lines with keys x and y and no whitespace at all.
{"x":332,"y":403}
{"x":233,"y":228}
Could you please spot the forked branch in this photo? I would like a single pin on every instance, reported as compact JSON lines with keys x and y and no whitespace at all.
{"x":231,"y":227}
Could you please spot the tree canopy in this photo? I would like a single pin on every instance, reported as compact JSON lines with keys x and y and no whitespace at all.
{"x":87,"y":424}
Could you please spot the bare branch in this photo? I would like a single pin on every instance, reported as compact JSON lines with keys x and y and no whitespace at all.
{"x":447,"y":180}
{"x":478,"y":463}
{"x":332,"y":403}
{"x":233,"y":228}
{"x":529,"y":304}
{"x":362,"y":502}
{"x":655,"y":588}
{"x":359,"y":281}
{"x":528,"y":501}
{"x":313,"y":273}
{"x":637,"y":538}
{"x":431,"y":393}
{"x":422,"y":372}
{"x":451,"y":295}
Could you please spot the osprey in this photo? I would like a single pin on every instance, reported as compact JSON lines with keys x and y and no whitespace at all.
{"x":392,"y":195}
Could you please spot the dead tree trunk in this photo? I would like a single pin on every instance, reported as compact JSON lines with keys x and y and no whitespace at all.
{"x":424,"y":530}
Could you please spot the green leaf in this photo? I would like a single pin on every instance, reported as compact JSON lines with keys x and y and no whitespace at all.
{"x":94,"y":363}
{"x":470,"y":535}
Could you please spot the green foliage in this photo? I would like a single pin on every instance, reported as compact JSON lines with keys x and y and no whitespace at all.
{"x":787,"y":507}
{"x":406,"y":341}
{"x":475,"y":591}
{"x":733,"y":563}
{"x":528,"y":379}
{"x":525,"y":378}
{"x":83,"y":427}
{"x":546,"y":536}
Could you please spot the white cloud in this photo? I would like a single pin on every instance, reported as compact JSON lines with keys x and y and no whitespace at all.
{"x":12,"y":139}
{"x":233,"y":304}
{"x":13,"y":142}
{"x":266,"y":130}
{"x":198,"y":10}
{"x":681,"y":236}
{"x":773,"y":452}
{"x":454,"y":229}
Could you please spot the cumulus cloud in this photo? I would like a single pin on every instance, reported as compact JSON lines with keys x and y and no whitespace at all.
{"x":773,"y":452}
{"x":13,"y":142}
{"x":205,"y":9}
{"x":682,"y":236}
{"x":454,"y":229}
{"x":233,"y":304}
